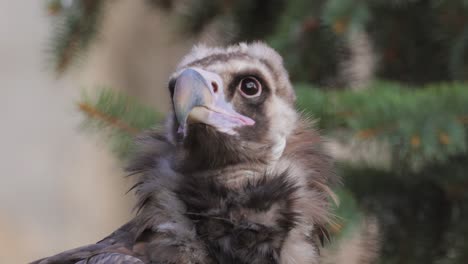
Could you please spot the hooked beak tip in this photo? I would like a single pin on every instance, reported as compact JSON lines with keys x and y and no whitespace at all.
{"x":195,"y":102}
{"x":190,"y":91}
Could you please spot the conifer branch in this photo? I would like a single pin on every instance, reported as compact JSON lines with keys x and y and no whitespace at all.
{"x":76,"y":26}
{"x":120,"y":117}
{"x":93,"y":112}
{"x":422,"y":125}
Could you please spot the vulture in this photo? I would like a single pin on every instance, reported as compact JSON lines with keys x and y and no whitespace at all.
{"x":236,"y":174}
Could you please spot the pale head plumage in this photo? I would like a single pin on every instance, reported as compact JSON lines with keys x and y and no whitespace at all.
{"x":274,"y":113}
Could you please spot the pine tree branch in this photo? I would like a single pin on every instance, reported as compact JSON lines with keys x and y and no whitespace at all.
{"x":76,"y":26}
{"x":93,"y":112}
{"x":373,"y":132}
{"x":68,"y":52}
{"x":119,"y":117}
{"x":463,"y":119}
{"x":420,"y":126}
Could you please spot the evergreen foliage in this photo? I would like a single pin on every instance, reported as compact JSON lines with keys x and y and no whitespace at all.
{"x":302,"y":29}
{"x":316,"y":30}
{"x":420,"y":113}
{"x":120,"y":117}
{"x":76,"y":24}
{"x":422,"y":126}
{"x":422,"y":215}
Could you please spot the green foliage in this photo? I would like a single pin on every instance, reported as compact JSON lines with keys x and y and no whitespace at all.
{"x":315,"y":30}
{"x":437,"y":30}
{"x":422,"y":215}
{"x":201,"y":13}
{"x":120,"y":116}
{"x":317,"y":33}
{"x":301,"y":29}
{"x":75,"y":28}
{"x":421,"y":125}
{"x":348,"y":14}
{"x":421,"y":200}
{"x":347,"y":215}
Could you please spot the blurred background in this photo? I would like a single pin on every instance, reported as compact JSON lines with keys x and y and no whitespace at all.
{"x":385,"y":80}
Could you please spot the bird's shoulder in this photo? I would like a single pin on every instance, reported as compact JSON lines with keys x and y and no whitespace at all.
{"x":116,"y":248}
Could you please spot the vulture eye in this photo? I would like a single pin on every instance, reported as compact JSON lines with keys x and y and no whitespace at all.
{"x":250,"y":87}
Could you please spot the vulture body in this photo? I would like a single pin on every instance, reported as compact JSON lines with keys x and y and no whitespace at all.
{"x":236,"y":175}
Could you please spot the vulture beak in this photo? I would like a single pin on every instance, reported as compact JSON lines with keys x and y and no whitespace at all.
{"x":199,"y":98}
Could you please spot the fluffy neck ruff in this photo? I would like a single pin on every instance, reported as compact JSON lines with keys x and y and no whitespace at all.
{"x":231,"y":198}
{"x":162,"y":160}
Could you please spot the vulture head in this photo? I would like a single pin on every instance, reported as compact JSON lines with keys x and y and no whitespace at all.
{"x":232,"y":105}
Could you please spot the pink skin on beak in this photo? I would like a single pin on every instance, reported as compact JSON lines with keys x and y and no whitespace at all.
{"x":199,"y":98}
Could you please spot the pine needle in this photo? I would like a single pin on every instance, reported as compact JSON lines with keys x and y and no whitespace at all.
{"x":120,"y":117}
{"x":75,"y":28}
{"x":92,"y":112}
{"x":408,"y":119}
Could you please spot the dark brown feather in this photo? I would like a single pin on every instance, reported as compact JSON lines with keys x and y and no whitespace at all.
{"x":208,"y":197}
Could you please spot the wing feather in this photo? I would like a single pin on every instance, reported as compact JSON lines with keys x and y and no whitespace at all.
{"x":108,"y":258}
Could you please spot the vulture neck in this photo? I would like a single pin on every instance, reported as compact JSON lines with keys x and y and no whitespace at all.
{"x":211,"y":150}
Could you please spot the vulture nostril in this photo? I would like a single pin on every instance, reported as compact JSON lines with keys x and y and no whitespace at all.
{"x":171,"y":85}
{"x":215,"y":87}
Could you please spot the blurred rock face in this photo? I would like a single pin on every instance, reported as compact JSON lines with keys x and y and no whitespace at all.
{"x":62,"y":188}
